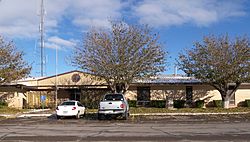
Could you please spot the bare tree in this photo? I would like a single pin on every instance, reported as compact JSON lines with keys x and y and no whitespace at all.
{"x":120,"y":54}
{"x":220,"y":62}
{"x":12,"y":64}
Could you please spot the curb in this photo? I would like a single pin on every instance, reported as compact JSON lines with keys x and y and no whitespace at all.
{"x":6,"y":115}
{"x":35,"y":110}
{"x":30,"y":113}
{"x":187,"y":114}
{"x":33,"y":115}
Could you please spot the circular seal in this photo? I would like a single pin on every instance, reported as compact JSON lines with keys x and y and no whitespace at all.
{"x":75,"y":78}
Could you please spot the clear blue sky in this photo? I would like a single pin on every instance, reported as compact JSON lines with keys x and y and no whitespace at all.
{"x":179,"y":23}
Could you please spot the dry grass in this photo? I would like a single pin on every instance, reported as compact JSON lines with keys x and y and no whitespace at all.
{"x":7,"y":110}
{"x":134,"y":110}
{"x":188,"y":110}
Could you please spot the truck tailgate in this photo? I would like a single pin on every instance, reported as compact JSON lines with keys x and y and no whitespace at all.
{"x":111,"y":105}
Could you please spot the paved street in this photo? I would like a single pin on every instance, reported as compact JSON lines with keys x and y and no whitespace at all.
{"x":168,"y":128}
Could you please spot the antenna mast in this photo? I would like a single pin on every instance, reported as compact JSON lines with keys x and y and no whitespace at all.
{"x":41,"y":29}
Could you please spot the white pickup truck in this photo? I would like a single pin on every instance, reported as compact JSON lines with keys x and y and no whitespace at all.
{"x":113,"y":105}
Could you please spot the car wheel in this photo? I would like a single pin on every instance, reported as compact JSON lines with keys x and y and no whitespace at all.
{"x":58,"y":117}
{"x":99,"y":116}
{"x":78,"y":115}
{"x":84,"y":114}
{"x":125,"y":116}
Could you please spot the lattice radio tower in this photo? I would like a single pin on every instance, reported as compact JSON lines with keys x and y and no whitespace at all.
{"x":41,"y":30}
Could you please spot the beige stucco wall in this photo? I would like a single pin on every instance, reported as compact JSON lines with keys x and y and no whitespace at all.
{"x":16,"y":100}
{"x":179,"y":92}
{"x":200,"y":92}
{"x":131,"y":95}
{"x":66,"y":79}
{"x":241,"y":95}
{"x":63,"y":79}
{"x":157,"y":91}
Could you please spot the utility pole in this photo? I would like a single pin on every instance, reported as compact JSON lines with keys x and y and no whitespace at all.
{"x":56,"y":92}
{"x":41,"y":29}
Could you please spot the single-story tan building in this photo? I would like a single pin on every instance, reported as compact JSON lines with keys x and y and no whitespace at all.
{"x":77,"y":85}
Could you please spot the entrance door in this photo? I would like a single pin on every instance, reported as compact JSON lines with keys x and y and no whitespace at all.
{"x":189,"y":95}
{"x":75,"y":94}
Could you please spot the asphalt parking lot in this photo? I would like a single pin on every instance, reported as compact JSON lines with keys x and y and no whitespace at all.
{"x":147,"y":128}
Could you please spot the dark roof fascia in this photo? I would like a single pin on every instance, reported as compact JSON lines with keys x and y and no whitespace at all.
{"x":14,"y":87}
{"x":67,"y":85}
{"x":52,"y":87}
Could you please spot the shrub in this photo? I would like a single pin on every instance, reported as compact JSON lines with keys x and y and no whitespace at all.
{"x":217,"y":103}
{"x":199,"y":104}
{"x":247,"y":103}
{"x":158,"y":103}
{"x":91,"y":105}
{"x":91,"y":98}
{"x":3,"y":103}
{"x":179,"y":103}
{"x":132,"y":103}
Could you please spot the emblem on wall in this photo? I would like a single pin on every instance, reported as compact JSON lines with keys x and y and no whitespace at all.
{"x":75,"y":78}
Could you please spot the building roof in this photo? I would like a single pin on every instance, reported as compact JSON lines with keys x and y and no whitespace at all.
{"x":160,"y":79}
{"x":169,"y":79}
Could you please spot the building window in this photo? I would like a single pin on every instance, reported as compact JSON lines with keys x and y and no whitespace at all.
{"x":143,"y":96}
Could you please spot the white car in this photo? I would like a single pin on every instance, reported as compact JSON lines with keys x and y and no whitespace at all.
{"x":70,"y":108}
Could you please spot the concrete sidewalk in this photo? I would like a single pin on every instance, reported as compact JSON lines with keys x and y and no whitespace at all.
{"x":30,"y":113}
{"x":36,"y":113}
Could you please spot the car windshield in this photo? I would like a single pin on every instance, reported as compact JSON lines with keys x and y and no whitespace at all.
{"x":113,"y":97}
{"x":68,"y":104}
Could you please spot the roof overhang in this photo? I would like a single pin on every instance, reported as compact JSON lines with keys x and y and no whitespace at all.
{"x":13,"y":88}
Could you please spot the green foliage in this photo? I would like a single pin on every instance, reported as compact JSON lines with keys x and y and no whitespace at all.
{"x":158,"y":103}
{"x":132,"y":103}
{"x":90,"y":104}
{"x":247,"y":103}
{"x":217,"y":103}
{"x":91,"y":99}
{"x":12,"y":64}
{"x":7,"y":110}
{"x":179,"y":103}
{"x":3,"y":103}
{"x":199,"y":104}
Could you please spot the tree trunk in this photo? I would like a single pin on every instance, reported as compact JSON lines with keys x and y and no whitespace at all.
{"x":226,"y":103}
{"x":225,"y":99}
{"x":113,"y":88}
